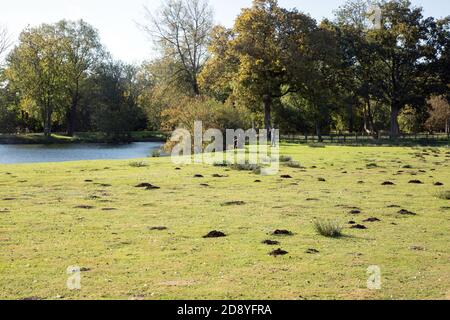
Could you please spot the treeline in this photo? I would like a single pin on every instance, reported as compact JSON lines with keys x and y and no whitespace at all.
{"x":376,"y":66}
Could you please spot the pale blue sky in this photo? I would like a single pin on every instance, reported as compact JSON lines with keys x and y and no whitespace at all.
{"x":115,"y":19}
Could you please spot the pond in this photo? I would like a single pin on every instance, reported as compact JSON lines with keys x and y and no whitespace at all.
{"x":74,"y":152}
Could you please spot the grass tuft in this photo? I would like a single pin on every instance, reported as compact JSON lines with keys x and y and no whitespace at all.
{"x":329,"y":228}
{"x":138,"y":164}
{"x":444,"y":195}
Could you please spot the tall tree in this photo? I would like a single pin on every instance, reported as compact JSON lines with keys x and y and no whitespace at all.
{"x":82,"y":51}
{"x":35,"y":69}
{"x":404,"y":52}
{"x":181,"y":28}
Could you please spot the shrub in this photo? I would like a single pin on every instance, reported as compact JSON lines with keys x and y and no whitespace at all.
{"x":156,"y":153}
{"x":329,"y":228}
{"x":285,"y":158}
{"x":293,"y":164}
{"x":138,"y":164}
{"x":444,"y":195}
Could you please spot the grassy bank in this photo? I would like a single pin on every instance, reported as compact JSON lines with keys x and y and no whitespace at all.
{"x":88,"y":137}
{"x":91,"y":214}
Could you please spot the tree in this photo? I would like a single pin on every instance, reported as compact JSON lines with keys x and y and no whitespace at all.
{"x":439,"y":110}
{"x":82,"y":51}
{"x":35,"y":70}
{"x":181,"y":29}
{"x":115,"y":102}
{"x":5,"y":42}
{"x":403,"y":52}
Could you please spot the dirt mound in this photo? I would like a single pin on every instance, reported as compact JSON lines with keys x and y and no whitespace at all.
{"x":215,"y":234}
{"x":278,"y":252}
{"x":147,"y":186}
{"x":233,"y":203}
{"x":282,"y":233}
{"x":406,"y":213}
{"x":257,"y":181}
{"x":438,"y":184}
{"x":271,"y":242}
{"x":157,"y":228}
{"x":321,"y":180}
{"x":198,"y":176}
{"x":312,"y":251}
{"x":415,"y":182}
{"x":388,"y":183}
{"x":355,"y":211}
{"x":285,"y":176}
{"x":372,"y":220}
{"x":84,"y":207}
{"x":359,"y":227}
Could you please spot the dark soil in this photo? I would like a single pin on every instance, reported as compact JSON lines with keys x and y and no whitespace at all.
{"x":147,"y":186}
{"x":109,"y":209}
{"x":215,"y":234}
{"x":312,"y":251}
{"x":198,"y":176}
{"x":359,"y":227}
{"x":415,"y":182}
{"x":372,"y":220}
{"x":204,"y":185}
{"x":278,"y":252}
{"x":355,"y":211}
{"x":157,"y":228}
{"x":406,"y":213}
{"x":438,"y":184}
{"x":393,"y":206}
{"x":285,"y":176}
{"x":282,"y":233}
{"x":233,"y":203}
{"x":258,"y":181}
{"x":216,"y":175}
{"x":84,"y":207}
{"x":388,"y":183}
{"x":271,"y":242}
{"x":321,"y":180}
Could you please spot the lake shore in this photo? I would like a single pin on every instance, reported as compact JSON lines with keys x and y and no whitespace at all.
{"x":90,"y":137}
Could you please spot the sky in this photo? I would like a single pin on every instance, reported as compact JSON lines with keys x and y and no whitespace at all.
{"x":117,"y":20}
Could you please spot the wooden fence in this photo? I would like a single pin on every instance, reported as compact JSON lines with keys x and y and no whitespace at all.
{"x":357,"y":138}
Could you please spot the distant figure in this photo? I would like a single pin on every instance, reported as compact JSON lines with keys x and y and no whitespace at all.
{"x":273,"y":137}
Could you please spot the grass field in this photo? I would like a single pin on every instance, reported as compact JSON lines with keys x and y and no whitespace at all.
{"x":91,"y":214}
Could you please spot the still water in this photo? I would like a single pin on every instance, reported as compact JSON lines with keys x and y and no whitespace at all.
{"x":74,"y":152}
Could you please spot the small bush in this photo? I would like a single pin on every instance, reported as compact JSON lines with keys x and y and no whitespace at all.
{"x":444,"y":195}
{"x":156,"y":153}
{"x":138,"y":164}
{"x":246,"y":167}
{"x":329,"y":228}
{"x":285,"y":158}
{"x":293,"y":164}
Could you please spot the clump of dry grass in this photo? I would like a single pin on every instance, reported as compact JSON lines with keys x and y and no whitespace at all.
{"x":328,"y":228}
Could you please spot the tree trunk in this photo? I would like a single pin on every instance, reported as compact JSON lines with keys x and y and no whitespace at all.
{"x":369,"y":126}
{"x":47,"y":122}
{"x":318,"y":131}
{"x":267,"y":109}
{"x":72,"y":117}
{"x":395,"y":129}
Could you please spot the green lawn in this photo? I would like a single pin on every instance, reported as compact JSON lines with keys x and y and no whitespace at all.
{"x":42,"y":232}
